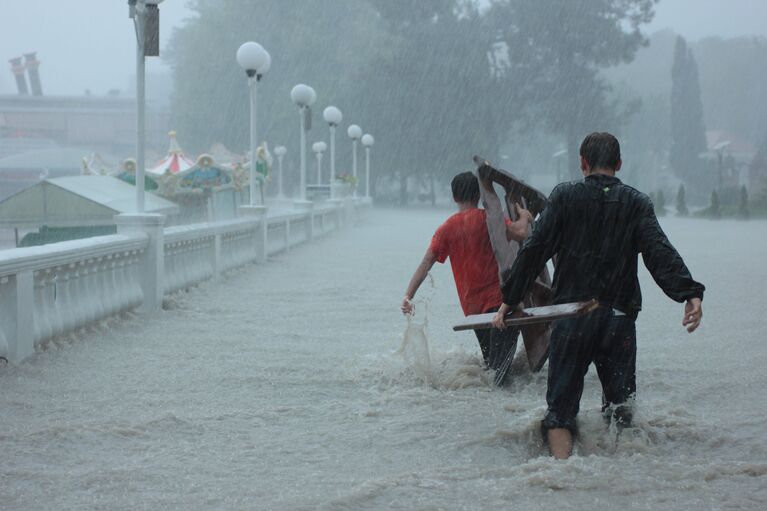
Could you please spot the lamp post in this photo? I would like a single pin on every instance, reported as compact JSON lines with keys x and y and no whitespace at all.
{"x":303,"y":96}
{"x":319,"y":148}
{"x":333,"y":117}
{"x":280,"y":152}
{"x":719,"y":148}
{"x":146,"y":21}
{"x":150,"y":270}
{"x":256,"y":61}
{"x":355,"y":133}
{"x":367,"y":141}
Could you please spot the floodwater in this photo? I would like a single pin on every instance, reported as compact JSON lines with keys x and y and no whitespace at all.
{"x":280,"y":387}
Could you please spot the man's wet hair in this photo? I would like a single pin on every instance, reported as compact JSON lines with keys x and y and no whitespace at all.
{"x":601,"y":150}
{"x":465,"y":187}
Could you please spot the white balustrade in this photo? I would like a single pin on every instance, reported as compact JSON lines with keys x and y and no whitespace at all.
{"x":54,"y":289}
{"x":51,"y":290}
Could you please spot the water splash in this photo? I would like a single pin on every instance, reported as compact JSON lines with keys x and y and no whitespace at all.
{"x":414,"y":348}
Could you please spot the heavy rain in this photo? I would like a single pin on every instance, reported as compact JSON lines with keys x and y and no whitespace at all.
{"x":244,"y":244}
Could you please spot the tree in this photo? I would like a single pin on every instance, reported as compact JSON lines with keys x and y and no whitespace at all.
{"x":555,"y":51}
{"x":435,"y":81}
{"x":688,"y":134}
{"x":681,"y":202}
{"x":436,"y":98}
{"x":743,"y":211}
{"x":713,"y":209}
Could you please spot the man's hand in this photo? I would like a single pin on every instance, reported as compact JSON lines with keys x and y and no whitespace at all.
{"x":407,"y":306}
{"x":522,"y":213}
{"x":498,"y":320}
{"x":519,"y":228}
{"x":693,"y":313}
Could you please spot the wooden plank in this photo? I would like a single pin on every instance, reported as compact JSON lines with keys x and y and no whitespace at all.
{"x":530,"y":316}
{"x":535,"y":337}
{"x":534,"y":200}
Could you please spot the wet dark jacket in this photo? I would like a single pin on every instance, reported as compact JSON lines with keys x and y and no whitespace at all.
{"x":596,"y":228}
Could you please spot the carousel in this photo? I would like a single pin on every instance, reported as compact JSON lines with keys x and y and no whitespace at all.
{"x":207,"y":189}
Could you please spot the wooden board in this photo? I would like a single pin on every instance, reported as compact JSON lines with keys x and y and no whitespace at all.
{"x":534,"y":336}
{"x":515,"y":188}
{"x":530,"y":316}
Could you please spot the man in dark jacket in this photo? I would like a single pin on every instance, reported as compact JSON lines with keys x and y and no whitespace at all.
{"x":595,"y":228}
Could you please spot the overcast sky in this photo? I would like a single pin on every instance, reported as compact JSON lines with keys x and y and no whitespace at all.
{"x":89,"y":44}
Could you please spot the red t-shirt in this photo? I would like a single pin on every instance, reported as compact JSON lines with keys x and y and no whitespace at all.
{"x":464,"y":239}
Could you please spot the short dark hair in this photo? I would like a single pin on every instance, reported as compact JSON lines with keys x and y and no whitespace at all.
{"x":465,"y":187}
{"x":601,"y":150}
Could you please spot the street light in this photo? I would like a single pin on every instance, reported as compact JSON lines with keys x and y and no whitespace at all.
{"x":146,"y":21}
{"x":719,"y":149}
{"x":319,"y":148}
{"x":256,"y":61}
{"x":333,"y":117}
{"x":303,"y":96}
{"x":367,"y":141}
{"x":355,"y":133}
{"x":280,"y":152}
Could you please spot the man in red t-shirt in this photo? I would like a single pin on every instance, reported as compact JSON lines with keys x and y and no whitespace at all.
{"x":465,"y":240}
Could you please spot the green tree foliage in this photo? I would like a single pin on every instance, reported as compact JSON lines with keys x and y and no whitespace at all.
{"x":714,"y":210}
{"x":434,"y":92}
{"x":688,"y":134}
{"x":555,"y":50}
{"x":681,"y":202}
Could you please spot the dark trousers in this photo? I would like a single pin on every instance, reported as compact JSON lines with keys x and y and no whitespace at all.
{"x":498,"y":348}
{"x":604,"y":338}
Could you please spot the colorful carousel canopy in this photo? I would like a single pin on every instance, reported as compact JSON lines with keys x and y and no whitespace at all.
{"x":174,"y":162}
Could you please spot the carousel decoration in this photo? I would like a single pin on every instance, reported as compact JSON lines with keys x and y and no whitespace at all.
{"x":204,"y":175}
{"x":127,"y":173}
{"x":174,"y":162}
{"x":263,"y":169}
{"x":95,"y":165}
{"x":263,"y":164}
{"x":196,"y":188}
{"x":241,"y":174}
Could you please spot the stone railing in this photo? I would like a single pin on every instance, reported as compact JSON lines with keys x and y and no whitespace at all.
{"x":54,"y":289}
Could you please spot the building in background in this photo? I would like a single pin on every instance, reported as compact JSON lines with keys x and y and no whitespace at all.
{"x":32,"y":123}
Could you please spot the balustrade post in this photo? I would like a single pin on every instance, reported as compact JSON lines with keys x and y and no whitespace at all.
{"x":258,"y":213}
{"x":20,"y":331}
{"x":217,"y":263}
{"x":151,"y":270}
{"x":287,"y":235}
